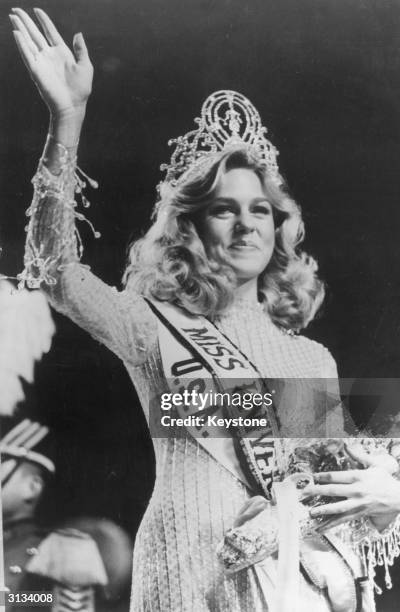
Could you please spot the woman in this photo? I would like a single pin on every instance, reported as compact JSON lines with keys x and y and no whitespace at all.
{"x":215,"y":291}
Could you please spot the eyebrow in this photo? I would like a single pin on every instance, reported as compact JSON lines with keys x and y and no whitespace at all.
{"x":233,"y":201}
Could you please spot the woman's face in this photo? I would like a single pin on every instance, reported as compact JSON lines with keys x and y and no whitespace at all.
{"x":238,"y":225}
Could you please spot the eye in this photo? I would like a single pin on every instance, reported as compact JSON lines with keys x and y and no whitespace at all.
{"x":222,"y":211}
{"x":262,"y":209}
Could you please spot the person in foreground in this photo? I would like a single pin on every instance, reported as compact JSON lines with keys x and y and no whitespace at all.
{"x":214,"y":293}
{"x":84,"y":563}
{"x":40,"y":563}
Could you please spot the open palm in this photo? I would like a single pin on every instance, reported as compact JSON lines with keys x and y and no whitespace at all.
{"x":64,"y":78}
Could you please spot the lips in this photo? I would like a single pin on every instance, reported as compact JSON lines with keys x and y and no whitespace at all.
{"x":243,"y":245}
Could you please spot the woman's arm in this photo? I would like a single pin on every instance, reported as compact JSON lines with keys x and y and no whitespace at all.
{"x":122,"y":321}
{"x":64,"y":81}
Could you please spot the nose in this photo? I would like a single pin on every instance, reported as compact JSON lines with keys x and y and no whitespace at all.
{"x":244,"y":223}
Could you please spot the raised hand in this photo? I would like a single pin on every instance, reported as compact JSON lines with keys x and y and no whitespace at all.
{"x":63,"y":78}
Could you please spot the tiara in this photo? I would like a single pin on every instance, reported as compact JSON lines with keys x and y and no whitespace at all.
{"x":228,"y":120}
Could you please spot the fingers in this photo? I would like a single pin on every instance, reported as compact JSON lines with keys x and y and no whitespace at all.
{"x":347,"y":477}
{"x":25,"y":51}
{"x":378,"y":458}
{"x":19,"y":27}
{"x":34,"y":32}
{"x":383,"y":460}
{"x":348,"y":505}
{"x":330,"y":490}
{"x":253,"y":507}
{"x":80,"y":48}
{"x":49,"y":29}
{"x":253,"y":501}
{"x":357,"y":453}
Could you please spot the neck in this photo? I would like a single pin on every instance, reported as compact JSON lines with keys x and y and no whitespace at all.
{"x":247,"y":291}
{"x":13,"y":521}
{"x":19,"y":515}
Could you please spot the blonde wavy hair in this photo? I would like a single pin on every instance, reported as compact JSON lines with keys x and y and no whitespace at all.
{"x":170,"y":262}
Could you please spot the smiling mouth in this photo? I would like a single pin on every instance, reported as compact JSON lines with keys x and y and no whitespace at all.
{"x":243,"y":246}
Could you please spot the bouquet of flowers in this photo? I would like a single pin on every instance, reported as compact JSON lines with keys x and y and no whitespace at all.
{"x":300,"y":459}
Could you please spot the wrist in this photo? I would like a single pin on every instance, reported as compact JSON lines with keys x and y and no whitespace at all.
{"x":71,"y":113}
{"x":66,"y":126}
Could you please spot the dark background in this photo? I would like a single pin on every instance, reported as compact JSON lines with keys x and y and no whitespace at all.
{"x":325,"y":76}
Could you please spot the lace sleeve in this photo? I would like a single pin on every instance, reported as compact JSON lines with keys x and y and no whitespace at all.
{"x":120,"y":320}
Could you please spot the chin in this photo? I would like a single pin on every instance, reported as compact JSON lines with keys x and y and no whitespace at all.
{"x":245,"y":275}
{"x":248,"y":270}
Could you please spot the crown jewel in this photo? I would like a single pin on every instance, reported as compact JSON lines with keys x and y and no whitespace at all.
{"x":228,"y":120}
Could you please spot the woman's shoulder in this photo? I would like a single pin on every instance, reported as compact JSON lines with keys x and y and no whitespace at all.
{"x":319,"y":352}
{"x":140,"y":323}
{"x":310,"y":343}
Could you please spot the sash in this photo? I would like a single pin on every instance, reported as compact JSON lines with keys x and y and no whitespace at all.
{"x":333,"y":566}
{"x":196,"y":356}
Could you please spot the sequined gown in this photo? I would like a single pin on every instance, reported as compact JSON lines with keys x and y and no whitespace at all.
{"x":195,"y":499}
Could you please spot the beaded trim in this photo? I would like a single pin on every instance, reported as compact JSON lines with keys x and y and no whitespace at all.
{"x":377,"y":547}
{"x":65,"y":188}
